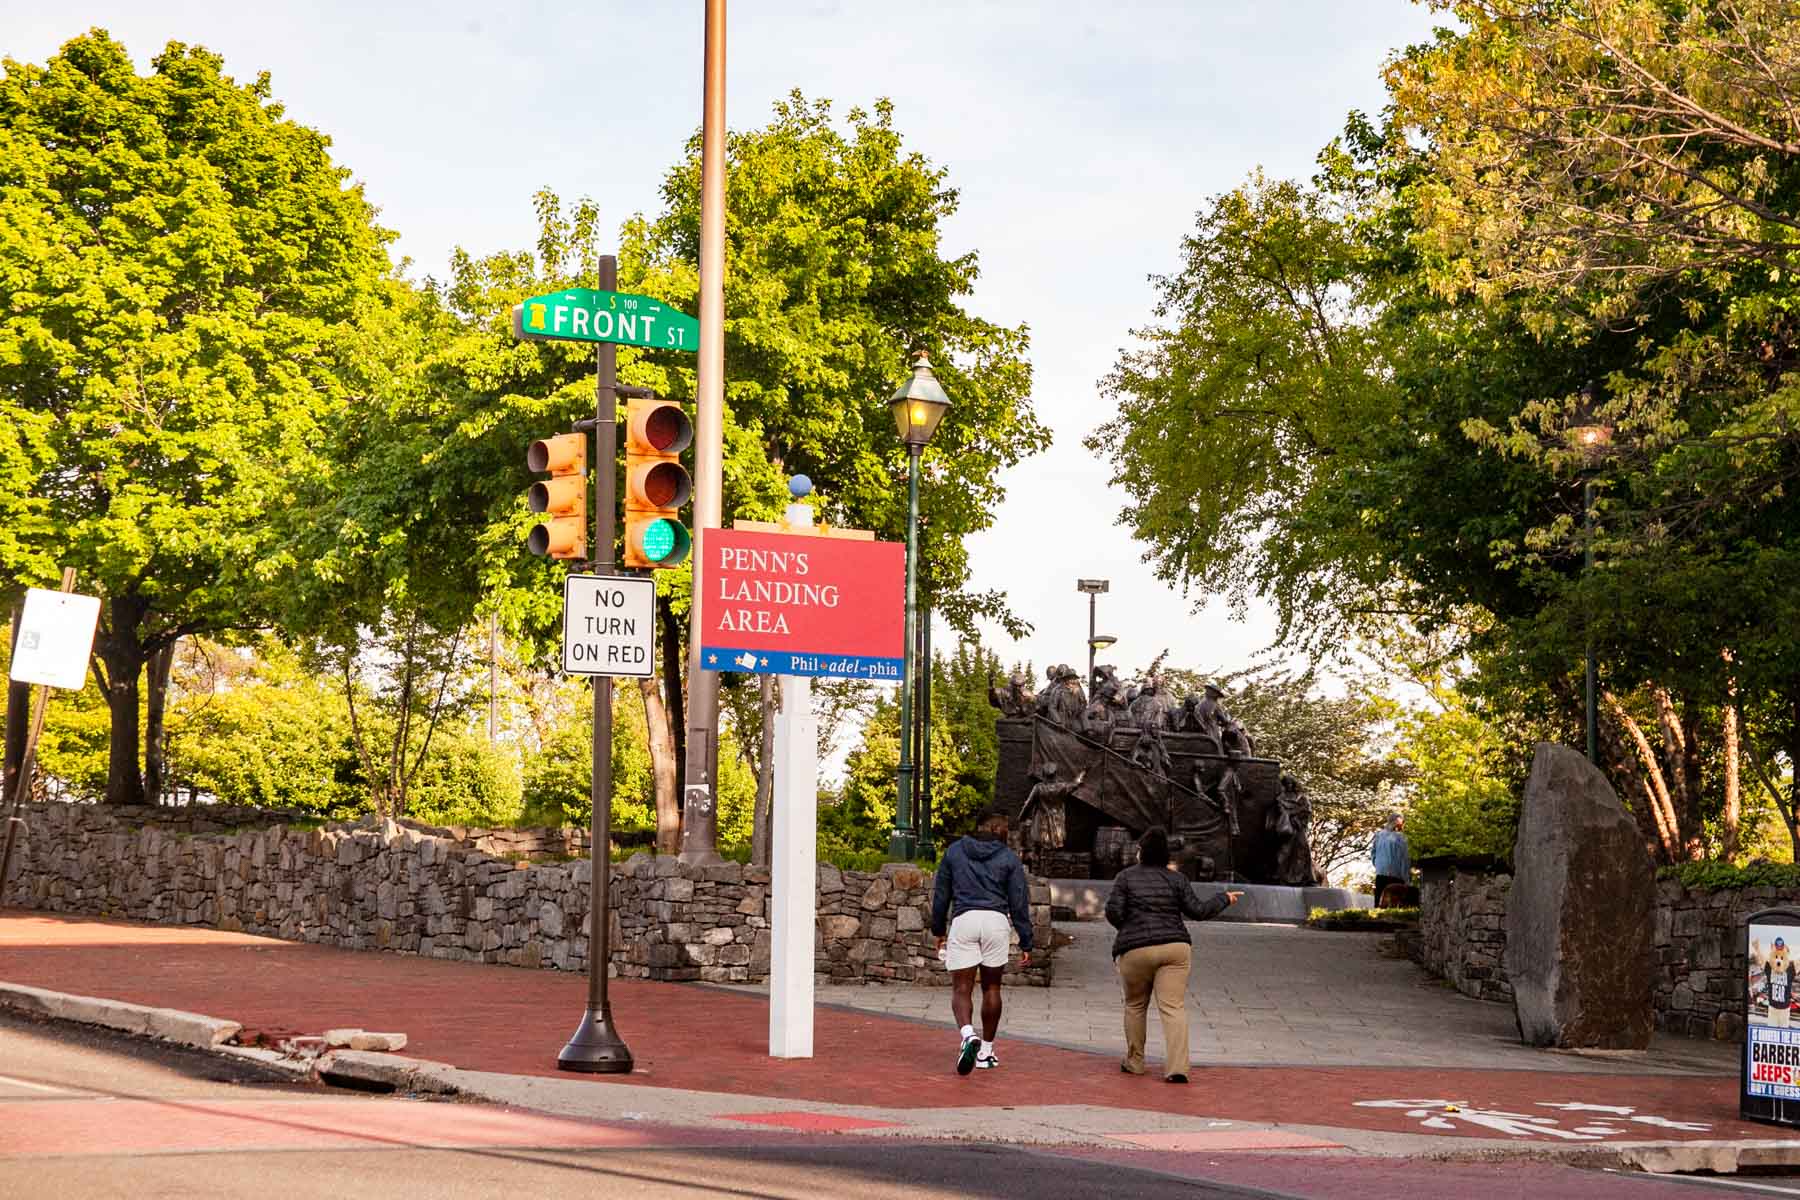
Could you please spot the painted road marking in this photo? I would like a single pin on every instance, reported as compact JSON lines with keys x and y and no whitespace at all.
{"x":15,"y":1081}
{"x":809,"y":1122}
{"x":1451,"y":1116}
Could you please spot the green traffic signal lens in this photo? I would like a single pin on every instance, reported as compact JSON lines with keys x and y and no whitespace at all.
{"x":666,"y":542}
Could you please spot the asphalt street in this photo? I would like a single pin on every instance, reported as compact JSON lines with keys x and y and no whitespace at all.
{"x":96,"y":1114}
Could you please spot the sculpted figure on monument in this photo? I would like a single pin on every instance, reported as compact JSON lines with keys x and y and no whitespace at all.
{"x":1063,"y":701}
{"x":1291,"y":819}
{"x":1044,"y":817}
{"x":1236,"y":739}
{"x":1016,"y":698}
{"x":1154,"y":706}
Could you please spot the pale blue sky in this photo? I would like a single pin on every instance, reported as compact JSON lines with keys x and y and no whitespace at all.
{"x":1083,"y":138}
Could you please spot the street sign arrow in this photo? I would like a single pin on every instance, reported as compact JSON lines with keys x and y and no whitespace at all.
{"x":591,"y":315}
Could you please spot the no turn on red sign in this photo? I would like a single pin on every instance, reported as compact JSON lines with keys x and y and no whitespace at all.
{"x":609,"y":626}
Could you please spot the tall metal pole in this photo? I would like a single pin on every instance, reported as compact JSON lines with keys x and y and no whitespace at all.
{"x":901,"y":847}
{"x":923,"y":810}
{"x":700,"y":819}
{"x":1593,"y":704}
{"x":1092,"y":599}
{"x":597,"y":1047}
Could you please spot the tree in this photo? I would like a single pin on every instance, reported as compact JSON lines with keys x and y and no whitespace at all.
{"x":185,"y":268}
{"x":834,"y":270}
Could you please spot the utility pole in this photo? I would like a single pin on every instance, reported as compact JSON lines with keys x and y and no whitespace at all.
{"x":596,"y":1046}
{"x":700,"y":816}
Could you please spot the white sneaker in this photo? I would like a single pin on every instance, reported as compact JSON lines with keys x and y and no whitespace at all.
{"x":965,"y":1058}
{"x":986,"y":1062}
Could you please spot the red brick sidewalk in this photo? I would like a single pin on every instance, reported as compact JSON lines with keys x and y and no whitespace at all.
{"x":684,"y":1036}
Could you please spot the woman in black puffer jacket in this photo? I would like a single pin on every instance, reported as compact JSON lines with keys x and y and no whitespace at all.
{"x":1149,"y":906}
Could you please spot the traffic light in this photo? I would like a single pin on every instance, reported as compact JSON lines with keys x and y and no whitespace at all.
{"x":656,"y":484}
{"x":563,"y":496}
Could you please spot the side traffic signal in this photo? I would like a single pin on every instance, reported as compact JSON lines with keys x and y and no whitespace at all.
{"x":563,"y":495}
{"x":656,"y":484}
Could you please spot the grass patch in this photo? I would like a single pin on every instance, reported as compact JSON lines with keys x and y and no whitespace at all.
{"x":1367,"y":920}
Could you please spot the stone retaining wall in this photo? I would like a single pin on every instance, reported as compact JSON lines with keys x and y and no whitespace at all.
{"x":1462,"y":932}
{"x":1698,"y":968}
{"x":441,"y":893}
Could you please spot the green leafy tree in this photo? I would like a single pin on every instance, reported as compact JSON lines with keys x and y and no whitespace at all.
{"x":1460,"y":800}
{"x":184,"y":268}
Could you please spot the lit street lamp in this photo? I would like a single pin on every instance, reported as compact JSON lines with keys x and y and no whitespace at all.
{"x":918,"y":405}
{"x":1594,"y":437}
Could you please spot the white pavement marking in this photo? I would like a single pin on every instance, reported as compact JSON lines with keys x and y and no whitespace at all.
{"x":14,"y":1081}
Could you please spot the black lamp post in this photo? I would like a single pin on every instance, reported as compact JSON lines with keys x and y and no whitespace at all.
{"x":918,"y":406}
{"x":1593,"y":436}
{"x":1093,"y":589}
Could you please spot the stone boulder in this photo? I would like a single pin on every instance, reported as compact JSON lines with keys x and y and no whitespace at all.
{"x":1581,"y":913}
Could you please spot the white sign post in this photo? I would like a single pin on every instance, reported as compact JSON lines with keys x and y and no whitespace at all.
{"x":609,"y":626}
{"x":794,"y":881}
{"x":794,"y":855}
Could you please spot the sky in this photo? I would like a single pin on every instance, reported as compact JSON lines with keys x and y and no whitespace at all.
{"x":1082,"y":137}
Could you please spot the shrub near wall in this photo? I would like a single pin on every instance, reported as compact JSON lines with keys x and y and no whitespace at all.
{"x":439,"y":892}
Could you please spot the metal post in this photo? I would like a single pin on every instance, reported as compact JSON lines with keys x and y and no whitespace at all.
{"x":700,"y":819}
{"x":597,"y":1047}
{"x":901,"y":847}
{"x":1593,"y":704}
{"x":923,"y":811}
{"x":1090,"y":644}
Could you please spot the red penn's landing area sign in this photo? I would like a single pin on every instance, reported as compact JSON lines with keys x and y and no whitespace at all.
{"x":798,"y":604}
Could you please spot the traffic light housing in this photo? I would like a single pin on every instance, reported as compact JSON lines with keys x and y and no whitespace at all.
{"x":563,"y":496}
{"x":656,"y":484}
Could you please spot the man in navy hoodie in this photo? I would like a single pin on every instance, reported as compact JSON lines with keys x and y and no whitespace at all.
{"x":984,"y":882}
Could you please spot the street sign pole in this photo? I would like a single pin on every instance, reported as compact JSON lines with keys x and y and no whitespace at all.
{"x":597,"y":1047}
{"x":700,"y":814}
{"x":794,"y":878}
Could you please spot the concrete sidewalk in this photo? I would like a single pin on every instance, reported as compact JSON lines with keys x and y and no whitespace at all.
{"x":702,"y":1058}
{"x":1278,"y":994}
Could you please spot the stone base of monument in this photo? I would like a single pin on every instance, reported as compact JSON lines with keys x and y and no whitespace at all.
{"x":1086,"y":898}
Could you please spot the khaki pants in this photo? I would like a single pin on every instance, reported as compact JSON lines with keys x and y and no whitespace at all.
{"x":1162,"y":971}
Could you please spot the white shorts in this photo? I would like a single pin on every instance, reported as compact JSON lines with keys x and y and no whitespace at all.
{"x":978,"y":938}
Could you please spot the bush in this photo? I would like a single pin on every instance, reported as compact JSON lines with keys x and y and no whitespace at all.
{"x":1371,"y":919}
{"x":1722,"y":876}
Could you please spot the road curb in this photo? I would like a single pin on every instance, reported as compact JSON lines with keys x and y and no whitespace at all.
{"x":165,"y":1024}
{"x":370,"y":1070}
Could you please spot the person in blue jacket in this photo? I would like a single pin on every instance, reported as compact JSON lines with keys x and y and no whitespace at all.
{"x":982,"y":882}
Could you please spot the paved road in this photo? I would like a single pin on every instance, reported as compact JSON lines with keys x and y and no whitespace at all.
{"x":1277,"y":994}
{"x":96,"y":1114}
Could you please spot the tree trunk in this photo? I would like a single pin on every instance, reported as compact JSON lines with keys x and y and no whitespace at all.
{"x":674,"y":697}
{"x":124,"y":656}
{"x":1794,"y":765}
{"x":18,"y":721}
{"x":664,"y":767}
{"x":1734,"y":805}
{"x":1636,"y":792}
{"x":155,"y":708}
{"x":762,"y":814}
{"x":1656,"y":791}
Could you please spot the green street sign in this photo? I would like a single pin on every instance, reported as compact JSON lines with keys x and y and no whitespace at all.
{"x":591,"y":315}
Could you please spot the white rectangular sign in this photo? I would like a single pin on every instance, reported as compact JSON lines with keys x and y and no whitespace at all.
{"x":56,"y":635}
{"x":609,"y":626}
